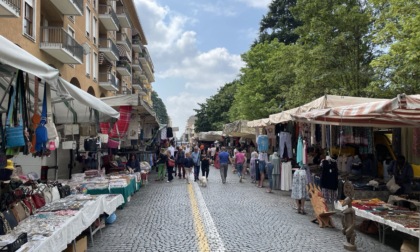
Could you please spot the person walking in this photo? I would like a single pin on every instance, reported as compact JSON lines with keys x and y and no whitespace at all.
{"x":205,"y":164}
{"x":253,"y":168}
{"x":188,"y":164}
{"x":161,"y":162}
{"x":196,"y":158}
{"x":216,"y":162}
{"x":224,"y":162}
{"x":239,"y":163}
{"x":180,"y":162}
{"x":170,"y":163}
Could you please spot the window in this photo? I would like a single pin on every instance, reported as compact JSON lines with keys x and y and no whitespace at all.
{"x":28,"y":22}
{"x":87,"y":62}
{"x":94,"y":33}
{"x":94,"y":66}
{"x":87,"y":22}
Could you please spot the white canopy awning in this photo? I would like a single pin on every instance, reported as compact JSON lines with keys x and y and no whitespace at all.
{"x":238,"y":129}
{"x":12,"y":57}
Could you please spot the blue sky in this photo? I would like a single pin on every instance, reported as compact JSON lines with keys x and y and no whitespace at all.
{"x":195,"y":47}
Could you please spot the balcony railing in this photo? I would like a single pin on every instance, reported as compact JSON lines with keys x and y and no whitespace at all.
{"x":57,"y":37}
{"x":124,"y":64}
{"x":108,"y":43}
{"x":104,"y":9}
{"x":14,"y":4}
{"x":108,"y":78}
{"x":136,"y":45}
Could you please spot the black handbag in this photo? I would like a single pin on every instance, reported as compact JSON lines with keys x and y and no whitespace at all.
{"x":64,"y":190}
{"x":90,"y":144}
{"x":10,"y":218}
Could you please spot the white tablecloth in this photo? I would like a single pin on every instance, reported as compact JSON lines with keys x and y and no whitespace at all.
{"x":73,"y":226}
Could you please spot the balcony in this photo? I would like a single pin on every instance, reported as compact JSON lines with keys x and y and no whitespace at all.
{"x":136,"y":45}
{"x":123,"y":68}
{"x":123,"y":17}
{"x":136,"y":65}
{"x":10,"y":8}
{"x":69,"y":7}
{"x":108,"y":17}
{"x":59,"y":44}
{"x":109,"y":48}
{"x":122,"y":39}
{"x":108,"y":82}
{"x":138,"y":86}
{"x":146,"y":65}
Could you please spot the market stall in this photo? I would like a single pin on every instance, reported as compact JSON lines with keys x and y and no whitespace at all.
{"x":60,"y":222}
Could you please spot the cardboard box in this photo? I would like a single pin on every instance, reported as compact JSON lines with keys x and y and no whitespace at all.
{"x":81,"y":245}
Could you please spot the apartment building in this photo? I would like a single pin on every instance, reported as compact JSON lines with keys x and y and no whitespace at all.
{"x":97,"y":45}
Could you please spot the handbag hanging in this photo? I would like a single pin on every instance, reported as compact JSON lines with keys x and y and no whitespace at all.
{"x":41,"y":131}
{"x":14,"y":134}
{"x":51,"y":129}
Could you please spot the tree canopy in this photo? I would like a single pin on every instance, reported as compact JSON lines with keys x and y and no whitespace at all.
{"x":308,"y":48}
{"x":160,"y":109}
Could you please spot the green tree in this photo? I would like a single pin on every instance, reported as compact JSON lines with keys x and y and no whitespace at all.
{"x":160,"y":109}
{"x":268,"y":74}
{"x":214,"y":113}
{"x":396,"y":32}
{"x":279,"y":23}
{"x":335,"y":52}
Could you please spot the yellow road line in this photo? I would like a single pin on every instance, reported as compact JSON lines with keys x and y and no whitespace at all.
{"x":203,"y":244}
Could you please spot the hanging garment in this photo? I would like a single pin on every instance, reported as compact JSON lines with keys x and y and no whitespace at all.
{"x":299,"y":152}
{"x":329,"y":175}
{"x":285,"y":139}
{"x":163,"y":134}
{"x":275,"y":161}
{"x":299,"y":184}
{"x":286,"y":176}
{"x":262,"y":142}
{"x":169,"y":133}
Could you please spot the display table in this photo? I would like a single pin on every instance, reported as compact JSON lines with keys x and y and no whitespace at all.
{"x":52,"y":231}
{"x":387,"y":216}
{"x":126,"y":191}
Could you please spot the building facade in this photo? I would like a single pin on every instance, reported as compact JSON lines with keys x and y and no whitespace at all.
{"x":97,"y":45}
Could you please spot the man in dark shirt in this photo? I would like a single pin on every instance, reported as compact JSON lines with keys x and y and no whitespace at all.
{"x":224,"y":162}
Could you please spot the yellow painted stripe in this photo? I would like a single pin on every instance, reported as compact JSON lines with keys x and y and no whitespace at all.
{"x":200,"y":231}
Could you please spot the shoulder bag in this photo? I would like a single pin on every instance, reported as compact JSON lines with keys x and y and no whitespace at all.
{"x":55,"y":194}
{"x":10,"y":218}
{"x":14,"y":134}
{"x":4,"y":225}
{"x":20,"y":211}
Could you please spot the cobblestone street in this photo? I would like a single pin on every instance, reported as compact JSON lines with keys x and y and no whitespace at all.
{"x":220,"y":217}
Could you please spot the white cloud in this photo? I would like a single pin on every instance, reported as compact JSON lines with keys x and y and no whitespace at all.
{"x":219,"y":8}
{"x":175,"y":55}
{"x":256,"y":3}
{"x":181,"y":107}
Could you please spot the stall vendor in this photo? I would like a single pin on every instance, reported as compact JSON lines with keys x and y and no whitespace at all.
{"x":133,"y":163}
{"x":403,"y":173}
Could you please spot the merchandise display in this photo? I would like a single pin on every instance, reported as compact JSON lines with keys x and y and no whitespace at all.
{"x":396,"y":217}
{"x":58,"y":223}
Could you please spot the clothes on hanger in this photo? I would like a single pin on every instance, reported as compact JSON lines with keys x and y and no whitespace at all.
{"x":285,"y":141}
{"x":262,"y":142}
{"x":286,"y":176}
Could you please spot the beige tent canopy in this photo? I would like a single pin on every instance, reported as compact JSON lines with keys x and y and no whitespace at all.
{"x":210,"y":136}
{"x":326,"y":101}
{"x":238,"y":129}
{"x":259,"y":123}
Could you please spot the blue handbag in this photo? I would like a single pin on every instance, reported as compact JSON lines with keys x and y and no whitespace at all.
{"x":15,"y":134}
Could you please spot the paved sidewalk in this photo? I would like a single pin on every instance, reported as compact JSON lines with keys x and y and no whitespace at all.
{"x":220,"y":217}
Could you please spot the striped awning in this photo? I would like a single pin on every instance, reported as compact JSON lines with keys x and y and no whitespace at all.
{"x":401,"y":111}
{"x":123,"y":51}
